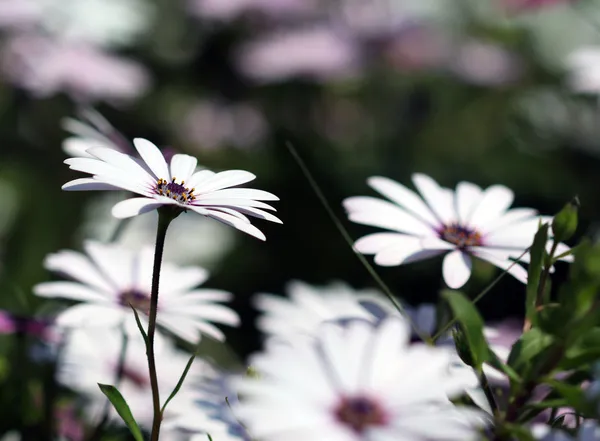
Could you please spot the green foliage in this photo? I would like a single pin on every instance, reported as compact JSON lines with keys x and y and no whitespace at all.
{"x":472,"y":345}
{"x":537,"y":252}
{"x":122,"y":408}
{"x":526,"y":352}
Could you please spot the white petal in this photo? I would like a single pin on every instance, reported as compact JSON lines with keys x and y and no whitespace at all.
{"x":179,"y":280}
{"x":258,"y":213}
{"x":134,"y":206}
{"x":153,"y":157}
{"x":240,"y":193}
{"x":77,"y":267}
{"x":71,"y":291}
{"x":207,"y":312}
{"x":225,"y":179}
{"x":510,"y":217}
{"x":373,"y":243}
{"x":468,"y":197}
{"x":407,"y":251}
{"x":124,"y":163}
{"x":115,"y":263}
{"x":182,"y":167}
{"x":200,"y":177}
{"x":516,"y":270}
{"x":494,"y":203}
{"x":379,"y":213}
{"x":232,"y":221}
{"x":75,"y":146}
{"x":88,"y":184}
{"x":404,"y":197}
{"x":229,"y":202}
{"x":456,"y":269}
{"x":440,"y":200}
{"x":85,"y":315}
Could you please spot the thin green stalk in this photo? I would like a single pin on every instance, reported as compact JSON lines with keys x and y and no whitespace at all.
{"x":480,"y":295}
{"x":164,"y":219}
{"x":487,"y":389}
{"x":388,"y":292}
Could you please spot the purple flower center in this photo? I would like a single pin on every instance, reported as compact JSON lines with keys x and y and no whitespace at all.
{"x":360,"y":413}
{"x":137,"y":299}
{"x":175,"y":191}
{"x":462,"y":237}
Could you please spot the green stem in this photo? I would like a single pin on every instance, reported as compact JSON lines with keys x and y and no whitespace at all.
{"x":164,"y":219}
{"x":487,"y":389}
{"x":542,"y":287}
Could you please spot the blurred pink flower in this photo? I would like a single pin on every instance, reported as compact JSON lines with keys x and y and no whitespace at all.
{"x":210,"y":124}
{"x":314,"y":52}
{"x":230,"y":9}
{"x":523,"y":5}
{"x":417,"y":47}
{"x":485,"y":64}
{"x":45,"y":67}
{"x":19,"y":13}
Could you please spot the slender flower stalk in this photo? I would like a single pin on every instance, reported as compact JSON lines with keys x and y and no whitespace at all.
{"x":165,"y":216}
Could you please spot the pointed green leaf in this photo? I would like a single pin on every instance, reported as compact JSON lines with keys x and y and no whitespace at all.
{"x":471,"y":324}
{"x":139,"y":324}
{"x":120,"y":405}
{"x":523,"y":353}
{"x":564,"y":223}
{"x":180,"y":382}
{"x":537,"y":252}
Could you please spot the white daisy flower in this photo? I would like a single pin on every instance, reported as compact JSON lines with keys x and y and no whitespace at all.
{"x":177,"y":185}
{"x":92,"y":356}
{"x":307,"y":306}
{"x":355,"y":382}
{"x":469,"y":222}
{"x":92,"y":130}
{"x":109,"y":277}
{"x":589,"y":431}
{"x":212,"y":409}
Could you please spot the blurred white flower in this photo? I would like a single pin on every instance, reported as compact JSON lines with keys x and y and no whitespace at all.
{"x":355,"y":382}
{"x":313,"y":52}
{"x":179,"y":185}
{"x":584,"y":70}
{"x":45,"y":67}
{"x":110,"y":278}
{"x":205,"y":243}
{"x":212,"y":412}
{"x":469,"y":222}
{"x":92,"y":356}
{"x":19,"y":13}
{"x":589,"y":431}
{"x":307,"y":307}
{"x":92,"y":130}
{"x":210,"y":124}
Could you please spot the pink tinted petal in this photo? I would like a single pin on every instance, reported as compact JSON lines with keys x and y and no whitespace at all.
{"x":467,"y":198}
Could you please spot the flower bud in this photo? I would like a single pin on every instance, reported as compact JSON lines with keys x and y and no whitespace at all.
{"x":564,"y":223}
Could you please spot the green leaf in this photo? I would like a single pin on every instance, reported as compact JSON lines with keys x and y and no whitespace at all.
{"x":575,"y":396}
{"x":209,"y":437}
{"x":564,"y":223}
{"x":526,"y":350}
{"x":120,"y":405}
{"x":180,"y":382}
{"x":139,"y":324}
{"x":495,"y":362}
{"x":472,"y":326}
{"x":584,"y":351}
{"x":537,"y":252}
